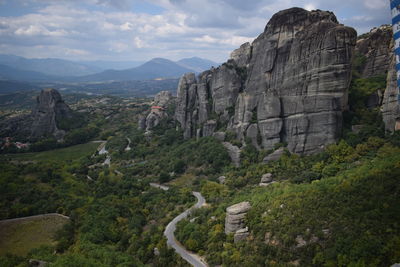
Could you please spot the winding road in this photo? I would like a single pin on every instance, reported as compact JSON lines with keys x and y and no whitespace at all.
{"x":191,"y":258}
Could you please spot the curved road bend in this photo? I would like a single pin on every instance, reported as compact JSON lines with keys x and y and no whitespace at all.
{"x":191,"y":258}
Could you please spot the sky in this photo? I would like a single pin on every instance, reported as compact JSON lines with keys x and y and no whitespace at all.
{"x":138,"y":30}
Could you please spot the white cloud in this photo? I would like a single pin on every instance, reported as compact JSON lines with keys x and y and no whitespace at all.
{"x":310,"y":6}
{"x":376,"y":4}
{"x":210,"y":28}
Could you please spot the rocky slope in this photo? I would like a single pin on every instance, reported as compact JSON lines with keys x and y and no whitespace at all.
{"x":289,"y":85}
{"x":49,"y":111}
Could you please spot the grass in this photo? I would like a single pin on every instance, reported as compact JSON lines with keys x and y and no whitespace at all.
{"x":62,"y":154}
{"x":19,"y":237}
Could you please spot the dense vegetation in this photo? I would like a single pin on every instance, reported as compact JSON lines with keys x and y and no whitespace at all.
{"x":340,"y":207}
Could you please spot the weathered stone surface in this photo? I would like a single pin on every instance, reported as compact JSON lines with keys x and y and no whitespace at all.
{"x":378,"y":49}
{"x":221,"y":179}
{"x":290,"y":85}
{"x":157,"y":111}
{"x":235,"y":217}
{"x":242,"y":55}
{"x":376,"y":46}
{"x":209,"y":127}
{"x":390,"y":105}
{"x":234,"y":153}
{"x":266,"y":178}
{"x":162,"y":99}
{"x":50,"y":110}
{"x":274,"y":155}
{"x":241,"y":234}
{"x":220,"y":136}
{"x":142,"y":122}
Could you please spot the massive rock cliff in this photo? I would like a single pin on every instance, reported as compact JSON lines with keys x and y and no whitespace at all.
{"x":49,"y":111}
{"x":289,"y":85}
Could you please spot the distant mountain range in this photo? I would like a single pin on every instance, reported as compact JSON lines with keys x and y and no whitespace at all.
{"x":153,"y":69}
{"x":49,"y":66}
{"x":23,"y":69}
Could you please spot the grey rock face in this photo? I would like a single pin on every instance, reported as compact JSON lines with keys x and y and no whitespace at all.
{"x":390,"y":105}
{"x":49,"y":109}
{"x":235,"y":217}
{"x":220,"y":136}
{"x":43,"y":120}
{"x":241,"y":235}
{"x":242,"y":55}
{"x":297,"y":80}
{"x":209,"y":127}
{"x":376,"y":46}
{"x":157,"y":112}
{"x":221,"y":179}
{"x":234,"y":153}
{"x":162,"y":99}
{"x":290,"y":85}
{"x":266,"y":178}
{"x":274,"y":155}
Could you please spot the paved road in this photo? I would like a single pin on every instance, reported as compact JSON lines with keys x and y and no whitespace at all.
{"x":191,"y":258}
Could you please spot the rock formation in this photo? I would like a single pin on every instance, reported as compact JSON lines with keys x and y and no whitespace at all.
{"x":235,"y":217}
{"x":158,"y":111}
{"x":390,"y":105}
{"x":377,"y":48}
{"x":290,"y":85}
{"x":50,"y":110}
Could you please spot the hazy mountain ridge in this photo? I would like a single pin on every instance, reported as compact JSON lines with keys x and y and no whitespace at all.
{"x":51,"y":69}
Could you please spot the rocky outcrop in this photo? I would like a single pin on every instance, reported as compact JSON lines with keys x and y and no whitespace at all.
{"x":233,"y":152}
{"x":157,"y":112}
{"x":235,"y":217}
{"x":49,"y":112}
{"x":376,"y":47}
{"x":390,"y":105}
{"x":277,"y":154}
{"x":241,"y":234}
{"x":290,"y":85}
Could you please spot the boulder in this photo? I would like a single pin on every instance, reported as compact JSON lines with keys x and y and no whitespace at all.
{"x":241,"y":234}
{"x":274,"y":155}
{"x":221,"y":179}
{"x":234,"y":153}
{"x":235,"y":217}
{"x":266,"y":178}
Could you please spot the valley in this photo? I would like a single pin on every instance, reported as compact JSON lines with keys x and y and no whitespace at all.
{"x":287,"y":154}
